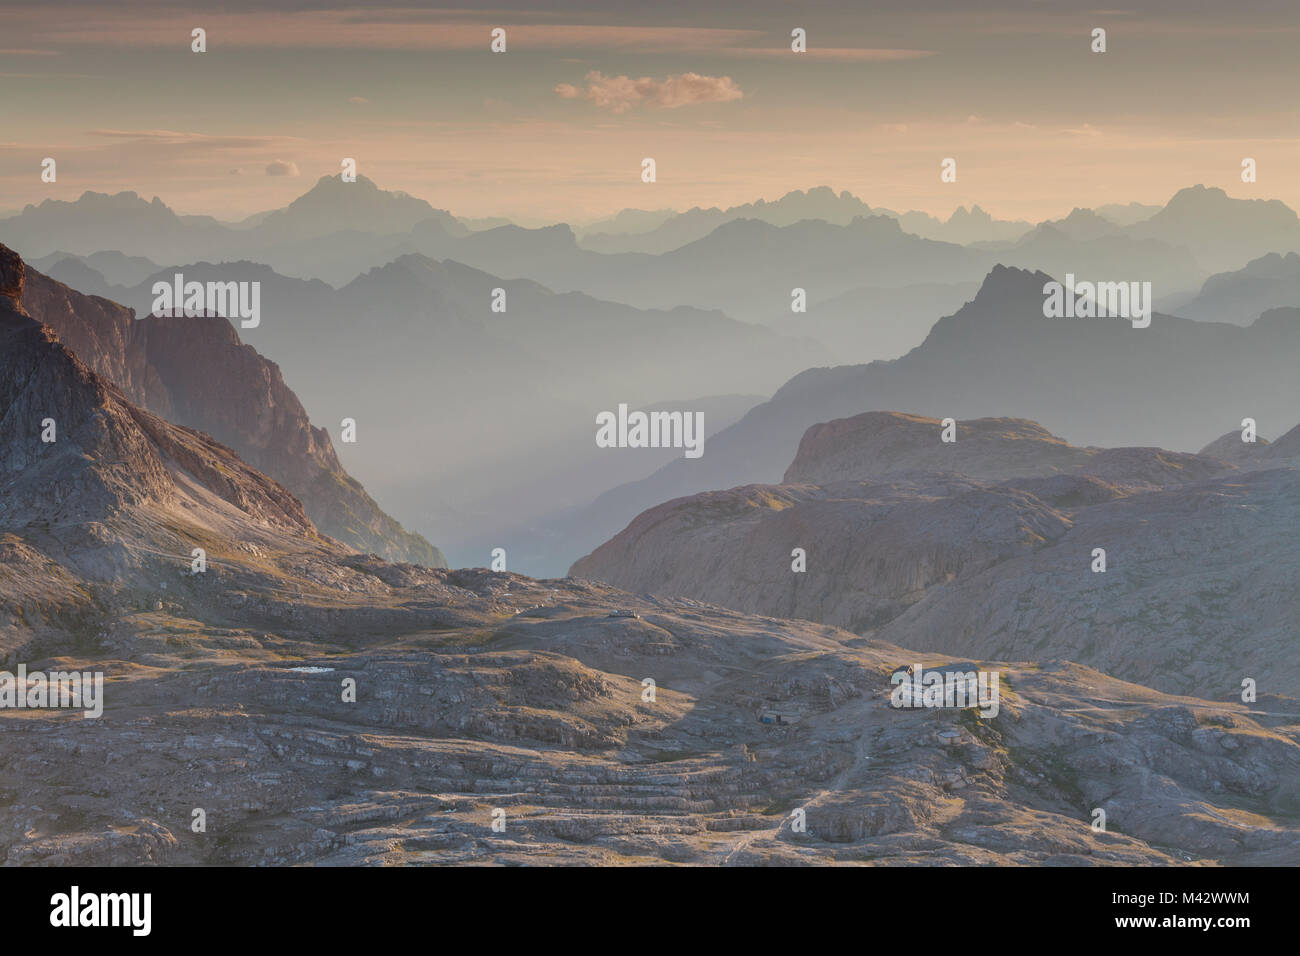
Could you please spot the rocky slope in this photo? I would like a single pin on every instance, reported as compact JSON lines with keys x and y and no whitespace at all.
{"x":482,"y":697}
{"x":985,"y":546}
{"x":196,"y":372}
{"x":98,"y":494}
{"x":523,"y":702}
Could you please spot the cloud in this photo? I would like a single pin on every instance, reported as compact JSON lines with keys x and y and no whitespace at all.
{"x":359,"y":100}
{"x":281,"y":168}
{"x":621,"y":93}
{"x":52,"y":76}
{"x":871,"y":55}
{"x":178,"y":138}
{"x":148,"y":25}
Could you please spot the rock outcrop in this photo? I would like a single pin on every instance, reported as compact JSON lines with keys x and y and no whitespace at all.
{"x":986,"y":547}
{"x":881,"y":443}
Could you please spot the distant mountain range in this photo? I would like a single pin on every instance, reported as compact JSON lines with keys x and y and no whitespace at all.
{"x":107,"y":269}
{"x":128,"y":224}
{"x":660,"y":232}
{"x":337,"y":231}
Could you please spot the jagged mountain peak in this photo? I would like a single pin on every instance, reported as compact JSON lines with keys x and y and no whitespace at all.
{"x":1008,"y":282}
{"x":123,"y":201}
{"x":962,"y":215}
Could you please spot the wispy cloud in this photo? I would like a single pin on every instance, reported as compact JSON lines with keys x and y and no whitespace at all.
{"x":280,"y":167}
{"x":171,"y":137}
{"x":868,"y":55}
{"x":52,"y":76}
{"x":621,"y":93}
{"x":342,"y":29}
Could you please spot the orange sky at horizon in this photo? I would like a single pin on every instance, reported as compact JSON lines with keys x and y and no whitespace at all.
{"x":1038,"y":124}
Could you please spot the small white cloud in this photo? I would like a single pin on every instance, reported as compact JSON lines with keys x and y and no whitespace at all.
{"x":621,"y":93}
{"x":359,"y":100}
{"x":280,"y":167}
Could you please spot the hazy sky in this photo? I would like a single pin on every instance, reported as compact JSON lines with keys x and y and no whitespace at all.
{"x":556,"y":127}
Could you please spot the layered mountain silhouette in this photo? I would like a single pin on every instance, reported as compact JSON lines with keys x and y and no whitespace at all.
{"x":1081,"y":224}
{"x":748,"y":266}
{"x":1223,"y":233}
{"x":442,"y":385}
{"x":656,"y":233}
{"x":131,"y":226}
{"x":1126,"y":214}
{"x":744,"y":260}
{"x":1177,"y":383}
{"x":1118,"y":257}
{"x":875,"y":322}
{"x":111,"y":268}
{"x":1269,"y":282}
{"x":677,"y":230}
{"x":964,"y":226}
{"x":125,"y":223}
{"x":195,"y":371}
{"x":745,"y":267}
{"x":333,"y":206}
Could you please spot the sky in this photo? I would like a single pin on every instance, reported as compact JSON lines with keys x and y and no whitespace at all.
{"x":556,"y":127}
